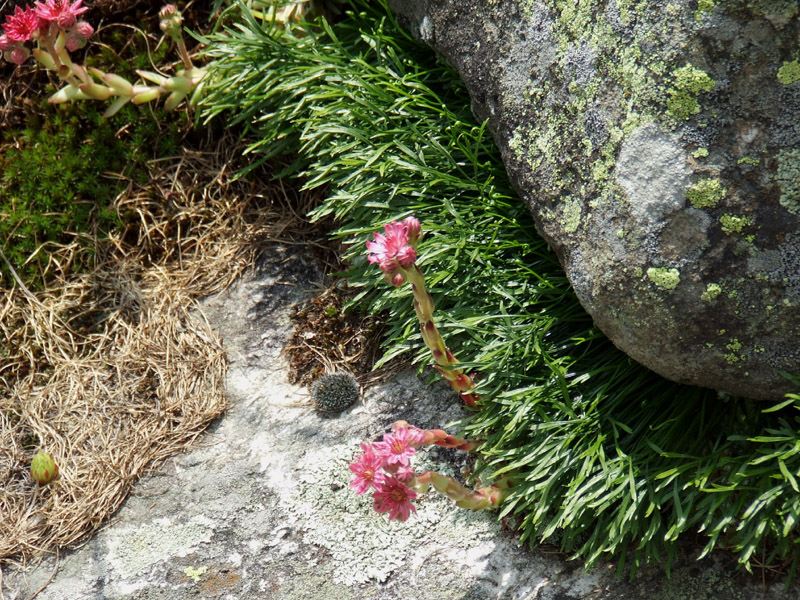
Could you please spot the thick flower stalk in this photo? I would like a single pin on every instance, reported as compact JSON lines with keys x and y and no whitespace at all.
{"x":385,"y":468}
{"x":54,"y":28}
{"x":395,"y":253}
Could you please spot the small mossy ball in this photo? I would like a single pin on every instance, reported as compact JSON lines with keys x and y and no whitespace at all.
{"x":334,"y":392}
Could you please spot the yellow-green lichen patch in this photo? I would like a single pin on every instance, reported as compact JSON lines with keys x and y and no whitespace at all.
{"x":692,"y":80}
{"x":571,"y":217}
{"x":688,"y":82}
{"x":734,"y":345}
{"x":195,"y":573}
{"x":788,"y":179}
{"x":682,"y":105}
{"x":733,"y":223}
{"x":789,"y":72}
{"x":706,"y":193}
{"x":748,"y":160}
{"x":712,"y":291}
{"x":703,"y":6}
{"x":700,"y":153}
{"x":663,"y":277}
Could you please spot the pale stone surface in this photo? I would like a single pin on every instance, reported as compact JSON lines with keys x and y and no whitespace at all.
{"x":655,"y":144}
{"x":260,"y":508}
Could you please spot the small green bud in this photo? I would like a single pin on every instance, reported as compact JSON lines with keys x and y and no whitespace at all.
{"x":43,"y":468}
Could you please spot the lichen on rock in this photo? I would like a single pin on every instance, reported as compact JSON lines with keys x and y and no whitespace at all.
{"x":672,"y":123}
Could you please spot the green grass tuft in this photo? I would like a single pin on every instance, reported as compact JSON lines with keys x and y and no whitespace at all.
{"x":608,"y":459}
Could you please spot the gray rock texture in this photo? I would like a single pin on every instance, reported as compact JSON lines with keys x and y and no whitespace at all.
{"x":261,"y":510}
{"x":656,"y":144}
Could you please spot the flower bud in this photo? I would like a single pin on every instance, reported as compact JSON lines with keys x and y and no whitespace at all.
{"x":406,"y":256}
{"x":171,"y":21}
{"x":169,"y":11}
{"x":83,"y":29}
{"x":413,"y":229}
{"x":43,"y":468}
{"x":75,"y":42}
{"x":66,"y":19}
{"x":5,"y":43}
{"x":18,"y":55}
{"x":396,"y":279}
{"x":389,"y":265}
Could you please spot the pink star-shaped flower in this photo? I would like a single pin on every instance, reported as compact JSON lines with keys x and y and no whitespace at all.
{"x":366,"y":470}
{"x":60,"y":12}
{"x":395,"y":247}
{"x":396,"y":448}
{"x":395,"y":498}
{"x":20,"y":26}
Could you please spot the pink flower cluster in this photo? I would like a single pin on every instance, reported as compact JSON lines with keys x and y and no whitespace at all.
{"x":396,"y":249}
{"x":385,"y":468}
{"x":43,"y":22}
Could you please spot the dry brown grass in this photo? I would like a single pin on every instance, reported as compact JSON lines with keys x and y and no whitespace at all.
{"x":116,"y":369}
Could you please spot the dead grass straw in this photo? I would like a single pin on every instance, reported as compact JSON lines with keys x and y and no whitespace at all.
{"x":116,"y":369}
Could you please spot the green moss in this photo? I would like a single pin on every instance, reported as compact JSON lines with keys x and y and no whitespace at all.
{"x":789,"y":72}
{"x":733,"y":223}
{"x":664,"y":277}
{"x":712,"y":291}
{"x":706,"y":193}
{"x":788,"y":179}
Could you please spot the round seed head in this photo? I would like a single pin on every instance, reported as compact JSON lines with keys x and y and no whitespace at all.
{"x":334,"y":392}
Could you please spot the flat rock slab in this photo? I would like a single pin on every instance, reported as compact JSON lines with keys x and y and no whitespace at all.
{"x":261,"y":507}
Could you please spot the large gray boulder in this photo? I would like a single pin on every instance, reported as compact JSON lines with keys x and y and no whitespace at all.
{"x":656,"y":144}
